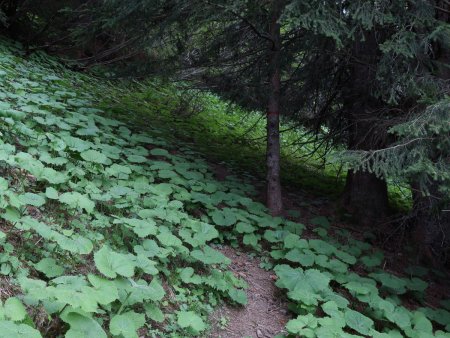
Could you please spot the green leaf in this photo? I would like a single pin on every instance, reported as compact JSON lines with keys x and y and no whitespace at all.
{"x":82,"y":326}
{"x":154,"y":312}
{"x":137,"y":159}
{"x":162,"y":189}
{"x":153,"y":291}
{"x":53,"y":176}
{"x":111,"y":263}
{"x":250,"y":239}
{"x":335,"y":265}
{"x":118,"y":170}
{"x":421,"y":323}
{"x":32,"y":199}
{"x":331,"y":309}
{"x":244,"y":228}
{"x":274,"y":236}
{"x":306,"y":286}
{"x":159,"y":152}
{"x":94,"y":156}
{"x":358,"y":287}
{"x":371,"y":261}
{"x":12,"y":330}
{"x":187,"y":276}
{"x":321,"y":247}
{"x":269,"y":221}
{"x":142,"y":228}
{"x":345,"y":257}
{"x":396,"y":284}
{"x":14,"y":309}
{"x":146,"y":265}
{"x":238,"y":295}
{"x":118,"y":190}
{"x":105,"y":290}
{"x":166,"y":238}
{"x":446,"y":303}
{"x":127,"y":324}
{"x":401,"y":317}
{"x":189,"y":319}
{"x":51,"y":193}
{"x":3,"y":184}
{"x":321,"y":221}
{"x":359,"y":322}
{"x":77,"y":244}
{"x":297,"y":326}
{"x":291,"y":240}
{"x":203,"y":232}
{"x":77,"y":200}
{"x":210,"y":256}
{"x":224,"y":217}
{"x":305,"y":258}
{"x":331,"y":330}
{"x":49,"y":267}
{"x":417,"y":284}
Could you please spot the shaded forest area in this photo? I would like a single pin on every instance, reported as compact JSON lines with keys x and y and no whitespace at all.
{"x":365,"y":85}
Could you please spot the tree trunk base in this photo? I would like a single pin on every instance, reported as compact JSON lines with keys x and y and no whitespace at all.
{"x":365,"y":197}
{"x":431,"y":228}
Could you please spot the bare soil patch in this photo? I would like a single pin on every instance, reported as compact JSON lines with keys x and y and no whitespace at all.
{"x":266,"y":313}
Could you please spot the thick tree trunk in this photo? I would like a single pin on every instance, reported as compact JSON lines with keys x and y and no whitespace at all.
{"x":274,"y":197}
{"x":431,"y":232}
{"x":431,"y":211}
{"x":10,"y":8}
{"x":365,"y":195}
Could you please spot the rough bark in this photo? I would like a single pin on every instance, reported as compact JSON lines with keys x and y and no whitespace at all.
{"x":365,"y":195}
{"x":431,"y":232}
{"x":274,"y":196}
{"x":431,"y":210}
{"x":12,"y":12}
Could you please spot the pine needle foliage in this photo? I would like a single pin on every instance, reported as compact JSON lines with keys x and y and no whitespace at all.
{"x":420,"y":153}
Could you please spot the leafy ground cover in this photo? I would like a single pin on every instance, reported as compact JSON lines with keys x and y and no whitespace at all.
{"x":109,"y":228}
{"x":226,"y":133}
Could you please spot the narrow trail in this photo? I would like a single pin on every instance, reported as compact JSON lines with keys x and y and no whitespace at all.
{"x":266,"y":313}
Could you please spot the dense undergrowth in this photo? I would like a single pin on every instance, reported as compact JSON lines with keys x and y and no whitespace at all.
{"x":226,"y":133}
{"x":108,"y":226}
{"x":229,"y":134}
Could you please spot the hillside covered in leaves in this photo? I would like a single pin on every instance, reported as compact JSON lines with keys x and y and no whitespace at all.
{"x":111,"y":231}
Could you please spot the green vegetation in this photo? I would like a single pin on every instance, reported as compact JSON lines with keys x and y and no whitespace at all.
{"x":109,"y":227}
{"x":227,"y":133}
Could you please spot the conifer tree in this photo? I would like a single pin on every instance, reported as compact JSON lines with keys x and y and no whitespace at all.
{"x":252,"y":53}
{"x":411,"y":80}
{"x":358,"y":68}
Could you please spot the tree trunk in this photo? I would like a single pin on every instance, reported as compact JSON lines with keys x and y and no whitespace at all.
{"x":17,"y":20}
{"x":431,"y":211}
{"x":431,"y":232}
{"x":365,"y":195}
{"x":274,"y":197}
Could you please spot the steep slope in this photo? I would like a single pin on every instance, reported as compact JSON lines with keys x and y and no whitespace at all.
{"x":107,"y":231}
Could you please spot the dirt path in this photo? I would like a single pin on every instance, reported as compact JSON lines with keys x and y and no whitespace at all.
{"x":266,"y":313}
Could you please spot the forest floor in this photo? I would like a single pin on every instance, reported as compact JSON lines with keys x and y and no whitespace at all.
{"x":266,"y":312}
{"x":115,"y":223}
